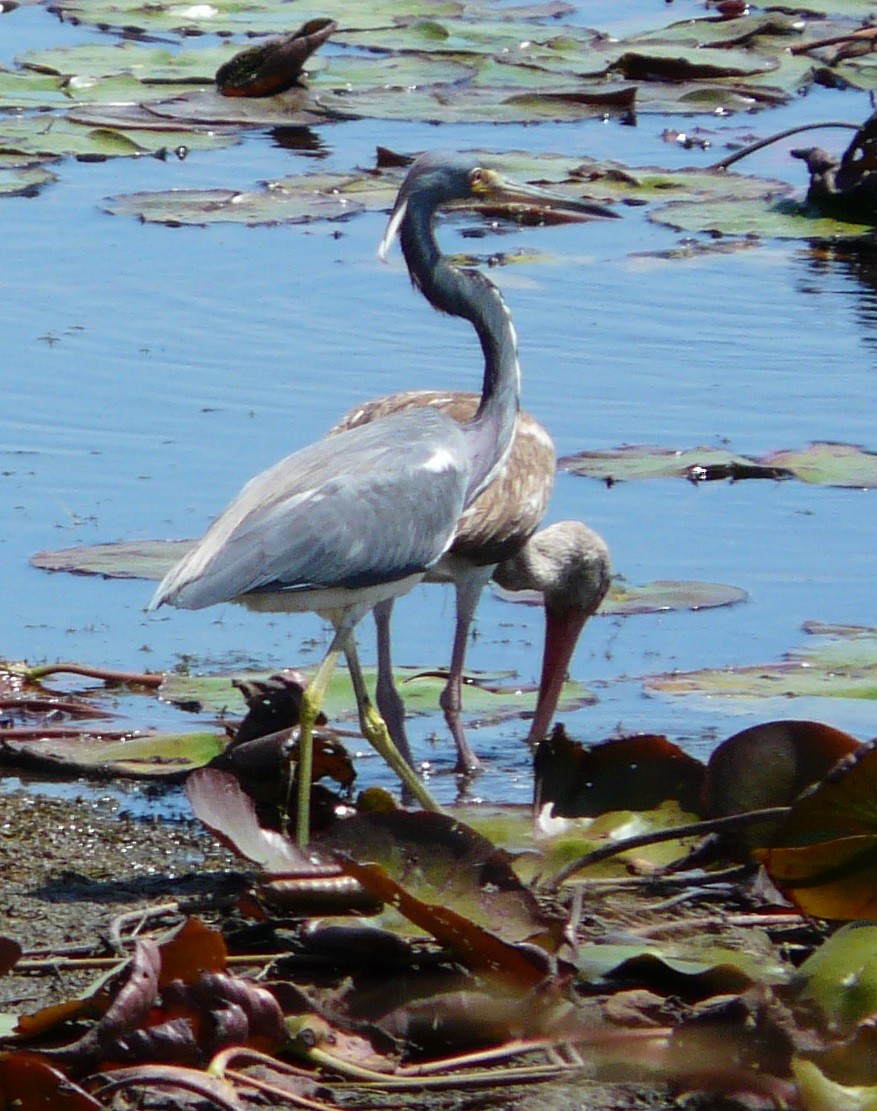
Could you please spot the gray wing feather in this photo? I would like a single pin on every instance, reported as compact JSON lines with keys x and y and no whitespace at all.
{"x":371,"y":505}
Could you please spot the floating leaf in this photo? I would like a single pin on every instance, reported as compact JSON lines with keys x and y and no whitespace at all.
{"x":211,"y":206}
{"x":841,"y":667}
{"x":485,"y":697}
{"x":770,"y":218}
{"x":147,"y":64}
{"x":828,"y":464}
{"x":244,"y":18}
{"x":669,"y":594}
{"x":20,"y":178}
{"x":54,"y":136}
{"x":645,"y":461}
{"x":145,"y":756}
{"x":132,"y":559}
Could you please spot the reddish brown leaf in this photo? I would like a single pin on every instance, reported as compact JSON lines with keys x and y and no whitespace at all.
{"x":30,"y":1083}
{"x":629,"y":773}
{"x":195,"y":949}
{"x":10,"y":951}
{"x":476,"y":947}
{"x":49,"y":1018}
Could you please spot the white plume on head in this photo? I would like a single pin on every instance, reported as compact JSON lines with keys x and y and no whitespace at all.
{"x":393,"y":225}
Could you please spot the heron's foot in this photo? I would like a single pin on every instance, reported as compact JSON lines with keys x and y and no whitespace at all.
{"x":375,"y":731}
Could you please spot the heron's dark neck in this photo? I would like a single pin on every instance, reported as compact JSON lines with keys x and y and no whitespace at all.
{"x":469,"y":294}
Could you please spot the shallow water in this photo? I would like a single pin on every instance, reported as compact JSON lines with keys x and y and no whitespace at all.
{"x":149,"y":371}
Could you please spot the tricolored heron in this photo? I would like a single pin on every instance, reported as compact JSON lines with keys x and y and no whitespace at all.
{"x":358,"y":518}
{"x":569,"y":565}
{"x":494,"y":528}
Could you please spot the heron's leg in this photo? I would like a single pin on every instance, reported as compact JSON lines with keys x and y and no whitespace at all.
{"x":468,"y":589}
{"x":375,"y":731}
{"x":390,"y":704}
{"x":311,"y":703}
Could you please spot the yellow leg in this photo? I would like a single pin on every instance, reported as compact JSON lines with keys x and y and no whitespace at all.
{"x":375,"y":731}
{"x":311,"y":703}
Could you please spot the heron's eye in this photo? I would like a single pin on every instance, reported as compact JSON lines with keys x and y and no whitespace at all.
{"x":478,"y":180}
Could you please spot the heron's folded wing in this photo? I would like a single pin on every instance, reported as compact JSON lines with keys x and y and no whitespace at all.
{"x":369,"y":506}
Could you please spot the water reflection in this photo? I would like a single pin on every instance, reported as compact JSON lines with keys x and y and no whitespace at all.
{"x":301,"y":140}
{"x":856,"y":260}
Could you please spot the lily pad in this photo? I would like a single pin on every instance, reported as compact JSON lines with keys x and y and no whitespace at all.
{"x":837,"y":668}
{"x":51,"y":136}
{"x":821,"y":463}
{"x":661,"y":596}
{"x":133,"y":559}
{"x":20,"y":178}
{"x":23,"y":91}
{"x":241,"y":17}
{"x":143,"y":756}
{"x":271,"y":205}
{"x":697,"y":969}
{"x":771,"y":218}
{"x":150,"y":64}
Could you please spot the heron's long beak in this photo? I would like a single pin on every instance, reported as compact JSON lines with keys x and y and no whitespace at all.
{"x":493,"y":188}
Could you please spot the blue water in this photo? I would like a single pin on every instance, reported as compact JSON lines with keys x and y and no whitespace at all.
{"x":148,"y":372}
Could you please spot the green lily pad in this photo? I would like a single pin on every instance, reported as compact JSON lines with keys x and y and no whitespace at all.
{"x":661,"y":596}
{"x":23,"y":91}
{"x":839,"y":667}
{"x":19,"y":177}
{"x":820,"y":463}
{"x":770,"y":218}
{"x":697,"y":959}
{"x":242,"y":17}
{"x":143,"y":756}
{"x":645,"y":461}
{"x":51,"y":136}
{"x":133,"y":559}
{"x":646,"y":184}
{"x":840,"y":977}
{"x":312,"y":197}
{"x":829,"y":464}
{"x":490,"y":698}
{"x":148,"y":64}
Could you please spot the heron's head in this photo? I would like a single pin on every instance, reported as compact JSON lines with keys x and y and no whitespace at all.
{"x":439,"y":179}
